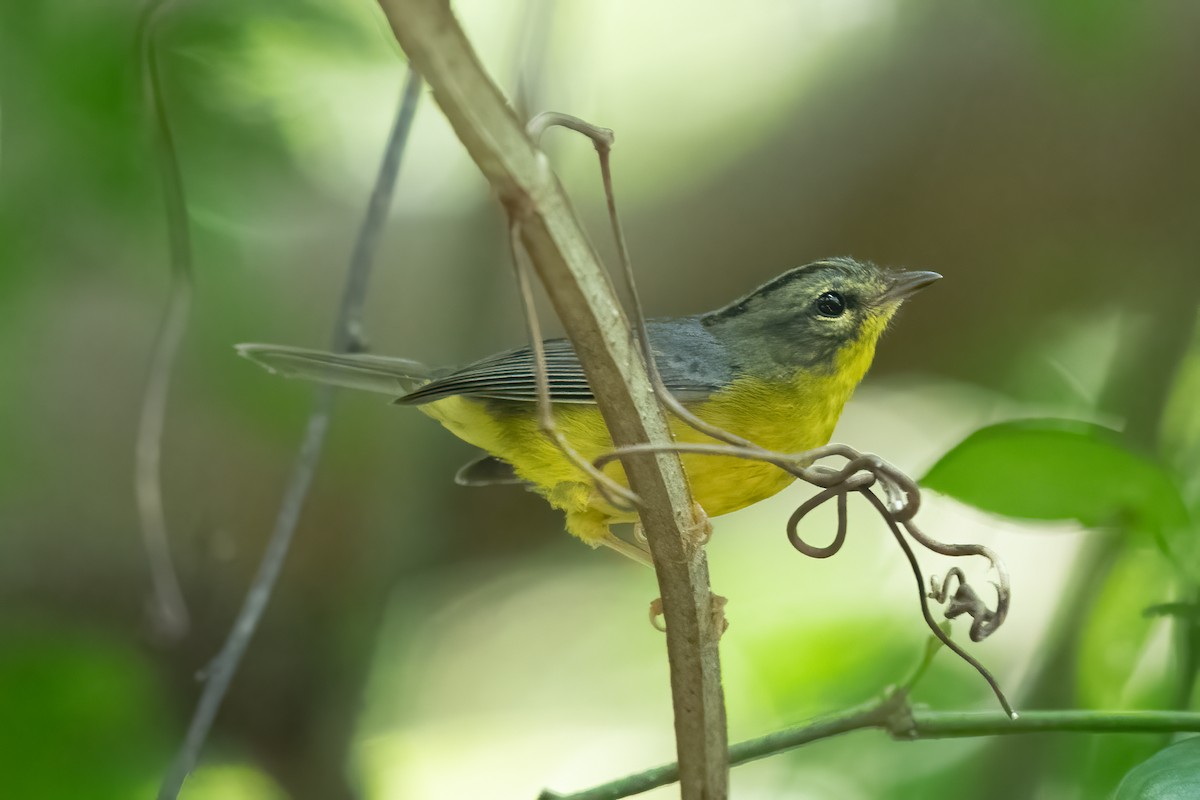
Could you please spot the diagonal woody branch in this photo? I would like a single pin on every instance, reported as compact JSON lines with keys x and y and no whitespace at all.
{"x":583,"y":298}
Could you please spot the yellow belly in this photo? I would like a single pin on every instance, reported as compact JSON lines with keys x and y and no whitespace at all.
{"x":787,"y":416}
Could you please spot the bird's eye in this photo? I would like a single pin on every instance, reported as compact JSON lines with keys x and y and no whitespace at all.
{"x":831,"y":304}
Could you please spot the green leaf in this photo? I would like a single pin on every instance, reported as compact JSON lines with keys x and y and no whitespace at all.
{"x":1119,"y":666}
{"x":1180,"y":431}
{"x":82,"y":714}
{"x":1054,"y":469}
{"x":1170,"y":774}
{"x":1113,"y":669}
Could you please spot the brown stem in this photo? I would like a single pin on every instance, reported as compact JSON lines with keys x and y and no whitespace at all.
{"x":583,"y":298}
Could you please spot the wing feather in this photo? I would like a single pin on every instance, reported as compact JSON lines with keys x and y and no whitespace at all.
{"x":692,"y":363}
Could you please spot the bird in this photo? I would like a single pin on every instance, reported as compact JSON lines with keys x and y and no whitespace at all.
{"x":775,"y":367}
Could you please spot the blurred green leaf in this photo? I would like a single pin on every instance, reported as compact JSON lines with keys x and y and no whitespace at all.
{"x":230,"y":782}
{"x":1121,"y":663}
{"x":858,"y":658}
{"x":828,"y":662}
{"x":74,"y":697}
{"x":1171,"y":774}
{"x":1069,"y":368}
{"x":1117,"y":632}
{"x":1054,"y":469}
{"x":1180,"y":431}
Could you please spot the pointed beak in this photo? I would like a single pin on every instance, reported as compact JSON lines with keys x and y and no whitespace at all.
{"x":905,"y":284}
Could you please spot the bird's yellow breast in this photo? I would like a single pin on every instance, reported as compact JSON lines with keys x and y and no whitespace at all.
{"x":790,"y":414}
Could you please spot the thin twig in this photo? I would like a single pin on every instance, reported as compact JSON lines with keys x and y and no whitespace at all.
{"x":347,"y":335}
{"x":169,"y":608}
{"x":894,"y":715}
{"x":583,"y":298}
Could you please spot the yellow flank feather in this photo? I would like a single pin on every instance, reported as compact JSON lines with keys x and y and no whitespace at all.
{"x":790,"y":414}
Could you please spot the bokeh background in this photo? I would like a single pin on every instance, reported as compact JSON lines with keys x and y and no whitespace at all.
{"x":430,"y":641}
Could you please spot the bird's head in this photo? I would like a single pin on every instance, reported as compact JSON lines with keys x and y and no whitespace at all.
{"x":825,"y":315}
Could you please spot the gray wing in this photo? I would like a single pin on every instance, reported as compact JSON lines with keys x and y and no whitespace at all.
{"x":692,"y":363}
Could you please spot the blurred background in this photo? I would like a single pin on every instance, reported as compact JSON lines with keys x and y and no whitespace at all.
{"x":432,"y":641}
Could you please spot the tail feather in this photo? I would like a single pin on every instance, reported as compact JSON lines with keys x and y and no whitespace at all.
{"x":393,"y":376}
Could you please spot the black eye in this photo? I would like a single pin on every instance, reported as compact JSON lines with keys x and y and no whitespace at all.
{"x":831,"y":304}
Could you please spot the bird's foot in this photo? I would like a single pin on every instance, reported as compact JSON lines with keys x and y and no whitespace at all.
{"x":717,"y":610}
{"x":656,"y":612}
{"x":698,"y":533}
{"x":717,"y":607}
{"x":701,"y":529}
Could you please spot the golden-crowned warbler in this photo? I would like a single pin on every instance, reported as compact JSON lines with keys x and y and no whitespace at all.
{"x":775,"y":367}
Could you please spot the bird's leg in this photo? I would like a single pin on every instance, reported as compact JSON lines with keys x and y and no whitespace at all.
{"x":627,"y":549}
{"x":698,"y":533}
{"x":594,"y":526}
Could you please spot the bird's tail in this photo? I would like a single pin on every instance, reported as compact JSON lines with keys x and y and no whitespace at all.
{"x":394,"y":376}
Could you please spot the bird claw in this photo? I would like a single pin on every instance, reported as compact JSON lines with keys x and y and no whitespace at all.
{"x":656,"y":611}
{"x":718,"y":621}
{"x":701,"y":528}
